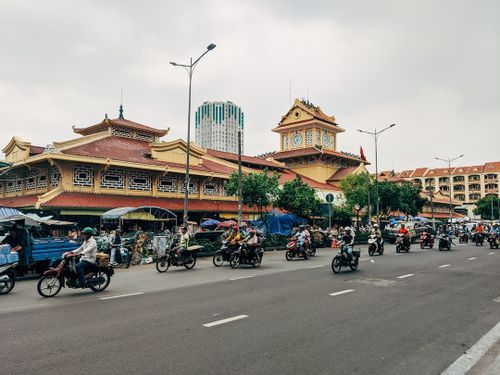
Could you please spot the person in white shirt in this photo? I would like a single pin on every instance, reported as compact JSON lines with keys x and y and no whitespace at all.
{"x":88,"y":251}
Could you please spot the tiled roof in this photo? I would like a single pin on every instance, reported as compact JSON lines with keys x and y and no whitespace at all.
{"x":282,"y":155}
{"x":120,"y":122}
{"x":289,"y":175}
{"x":135,"y":151}
{"x":492,"y":167}
{"x":440,"y":215}
{"x":341,"y":173}
{"x":36,"y":150}
{"x":108,"y":201}
{"x":419,"y":172}
{"x":249,"y":160}
{"x":19,"y":202}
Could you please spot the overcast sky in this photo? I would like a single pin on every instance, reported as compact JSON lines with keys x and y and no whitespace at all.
{"x":432,"y":67}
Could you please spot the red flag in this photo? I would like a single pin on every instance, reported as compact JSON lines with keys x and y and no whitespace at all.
{"x":362,"y":153}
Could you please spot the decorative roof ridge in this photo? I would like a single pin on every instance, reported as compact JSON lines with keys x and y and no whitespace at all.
{"x":75,"y":142}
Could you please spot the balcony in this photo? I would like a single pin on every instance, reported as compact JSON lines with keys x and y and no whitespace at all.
{"x":475,"y":187}
{"x":490,"y":180}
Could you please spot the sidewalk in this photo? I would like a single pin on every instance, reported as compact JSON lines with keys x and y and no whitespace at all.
{"x":489,"y":364}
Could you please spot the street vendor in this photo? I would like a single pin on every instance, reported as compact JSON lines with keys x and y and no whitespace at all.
{"x":183,"y":241}
{"x":14,"y":240}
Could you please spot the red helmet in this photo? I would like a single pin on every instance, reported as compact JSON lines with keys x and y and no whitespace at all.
{"x":236,"y":227}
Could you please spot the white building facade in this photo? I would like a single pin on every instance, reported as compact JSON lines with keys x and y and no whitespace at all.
{"x":217,"y":125}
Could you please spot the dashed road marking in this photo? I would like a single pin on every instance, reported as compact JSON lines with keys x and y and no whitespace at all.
{"x":491,"y":254}
{"x":445,"y":265}
{"x":317,"y":266}
{"x":472,"y":258}
{"x":405,"y":276}
{"x":122,"y":295}
{"x":342,"y":292}
{"x":224,"y":321}
{"x":241,"y":277}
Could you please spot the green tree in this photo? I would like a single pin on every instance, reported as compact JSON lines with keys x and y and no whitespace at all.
{"x":299,"y":198}
{"x":411,"y":202}
{"x":389,"y":197}
{"x":258,"y":189}
{"x":341,"y":215}
{"x":484,"y":205}
{"x":356,"y":189}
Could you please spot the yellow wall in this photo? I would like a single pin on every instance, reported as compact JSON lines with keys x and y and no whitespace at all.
{"x":317,"y":172}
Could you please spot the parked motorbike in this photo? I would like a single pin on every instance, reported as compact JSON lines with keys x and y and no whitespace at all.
{"x":64,"y":275}
{"x":245,"y":255}
{"x":478,"y":239}
{"x":374,"y":246}
{"x":403,"y":243}
{"x":426,"y":240}
{"x":463,"y":237}
{"x":342,"y":260}
{"x":493,"y":240}
{"x":122,"y":257}
{"x":222,"y":255}
{"x":186,"y":259}
{"x":294,"y":250}
{"x":445,"y":242}
{"x":7,"y":277}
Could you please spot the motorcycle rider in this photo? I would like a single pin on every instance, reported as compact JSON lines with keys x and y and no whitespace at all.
{"x":378,"y":233}
{"x":302,"y":239}
{"x":405,"y":233}
{"x":88,"y":251}
{"x":348,"y":242}
{"x":252,"y":240}
{"x":234,"y":238}
{"x":183,"y":241}
{"x":116,"y":243}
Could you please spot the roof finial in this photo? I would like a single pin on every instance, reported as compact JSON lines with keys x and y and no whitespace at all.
{"x":120,"y":116}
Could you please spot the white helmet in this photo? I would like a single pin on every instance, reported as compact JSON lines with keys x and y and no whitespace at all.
{"x":347,"y":229}
{"x":375,"y":225}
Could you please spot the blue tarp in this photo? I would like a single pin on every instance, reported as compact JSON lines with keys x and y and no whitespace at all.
{"x":278,"y":223}
{"x":209,"y":223}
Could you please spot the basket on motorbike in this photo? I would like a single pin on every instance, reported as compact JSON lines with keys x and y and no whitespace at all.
{"x":102,"y":259}
{"x":356,"y":253}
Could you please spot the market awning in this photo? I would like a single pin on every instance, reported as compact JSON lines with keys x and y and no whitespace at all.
{"x":147,"y":213}
{"x":7,"y":211}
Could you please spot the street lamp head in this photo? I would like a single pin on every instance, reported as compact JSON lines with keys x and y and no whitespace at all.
{"x":392,"y":125}
{"x":211,"y":46}
{"x":173,"y":63}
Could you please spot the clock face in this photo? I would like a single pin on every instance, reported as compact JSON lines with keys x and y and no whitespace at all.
{"x":297,"y":140}
{"x":326,"y":139}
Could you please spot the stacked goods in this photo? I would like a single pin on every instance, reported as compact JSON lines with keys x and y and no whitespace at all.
{"x":102,"y":259}
{"x":6,"y":256}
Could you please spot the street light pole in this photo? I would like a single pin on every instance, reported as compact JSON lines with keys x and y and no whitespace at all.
{"x":375,"y":134}
{"x":449,"y":161}
{"x":190,"y":69}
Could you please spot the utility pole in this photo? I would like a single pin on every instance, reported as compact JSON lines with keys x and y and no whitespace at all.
{"x":190,"y":69}
{"x":375,"y":134}
{"x":449,"y":161}
{"x":240,"y":182}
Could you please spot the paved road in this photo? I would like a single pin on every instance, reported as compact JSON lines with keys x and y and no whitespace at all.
{"x":406,"y":314}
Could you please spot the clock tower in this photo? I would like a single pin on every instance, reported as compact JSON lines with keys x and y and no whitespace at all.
{"x":308,"y":144}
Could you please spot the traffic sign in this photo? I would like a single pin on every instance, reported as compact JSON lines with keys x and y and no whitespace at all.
{"x":329,"y":197}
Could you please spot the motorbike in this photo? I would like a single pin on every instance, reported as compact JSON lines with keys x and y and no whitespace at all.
{"x":403,"y":243}
{"x":445,"y":242}
{"x":7,"y":277}
{"x":374,"y":246}
{"x":186,"y":259}
{"x":294,"y":250}
{"x":342,"y":260}
{"x":463,"y":237}
{"x":123,"y":257}
{"x":426,"y":239}
{"x":245,"y":255}
{"x":493,"y":240}
{"x":478,"y":239}
{"x":222,"y":255}
{"x":64,"y":275}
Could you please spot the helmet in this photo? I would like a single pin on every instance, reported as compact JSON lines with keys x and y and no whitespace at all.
{"x":375,"y":225}
{"x":88,"y":231}
{"x":302,"y":226}
{"x":347,"y":229}
{"x":402,"y":225}
{"x":236,"y":227}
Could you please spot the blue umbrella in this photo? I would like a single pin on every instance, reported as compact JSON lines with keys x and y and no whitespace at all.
{"x":209,"y":223}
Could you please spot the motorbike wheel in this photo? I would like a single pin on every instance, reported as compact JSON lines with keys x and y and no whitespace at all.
{"x":257,"y":261}
{"x":371,"y":250}
{"x":162,"y":264}
{"x":126,"y":264}
{"x":422,"y":245}
{"x":441,"y":248}
{"x":234,"y":262}
{"x":218,"y":260}
{"x":381,"y":251}
{"x":7,"y":285}
{"x":336,"y":266}
{"x":49,"y":286}
{"x":398,"y":249}
{"x":104,"y":284}
{"x":354,"y":266}
{"x":190,"y":265}
{"x":312,"y":252}
{"x":288,"y":255}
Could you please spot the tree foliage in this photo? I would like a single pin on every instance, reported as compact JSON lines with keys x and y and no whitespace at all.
{"x":411,"y":203}
{"x":299,"y":198}
{"x":356,"y":188}
{"x":258,"y":189}
{"x":483,"y":207}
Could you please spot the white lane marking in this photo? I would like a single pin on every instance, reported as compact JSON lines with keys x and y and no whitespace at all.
{"x":445,"y":265}
{"x":241,"y":277}
{"x":491,"y":254}
{"x":405,"y":276}
{"x":472,"y":258}
{"x":122,"y":295}
{"x":497,"y":299}
{"x":223,"y":321}
{"x":38,"y":305}
{"x":317,"y":266}
{"x":342,"y":292}
{"x":465,"y":362}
